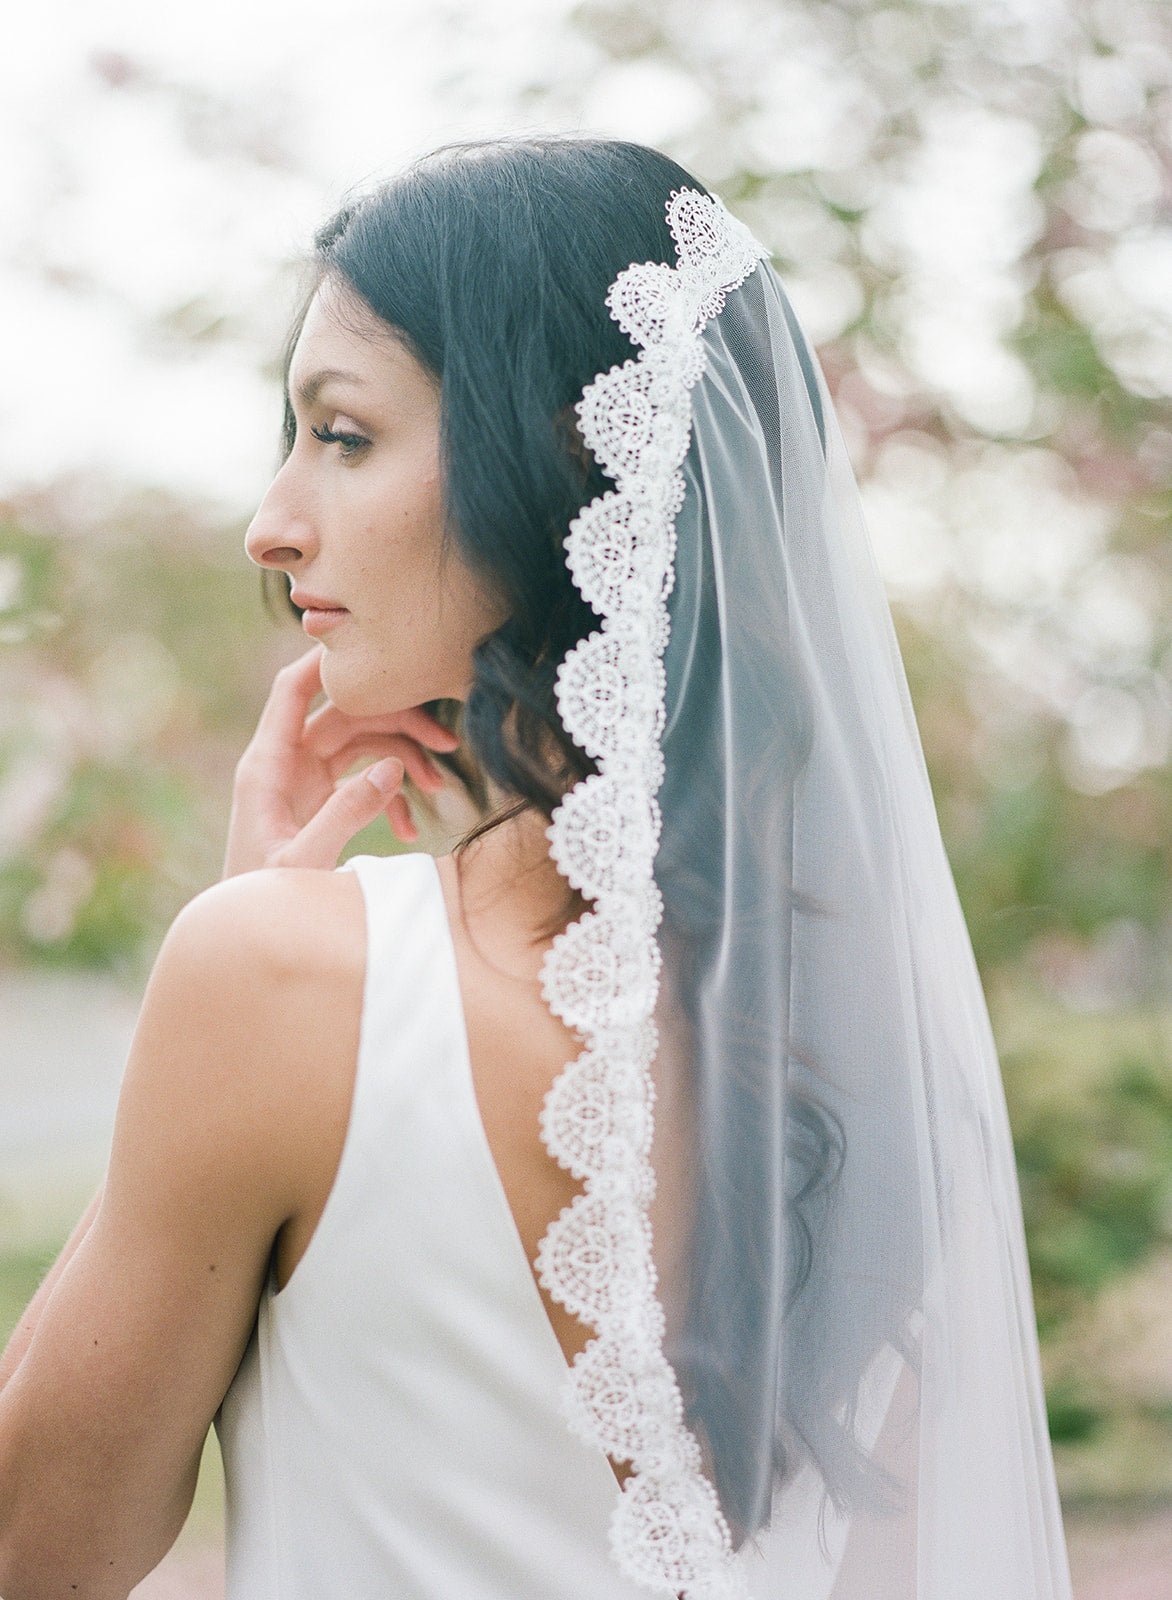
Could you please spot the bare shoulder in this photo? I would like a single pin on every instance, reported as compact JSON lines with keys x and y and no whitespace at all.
{"x":283,"y":920}
{"x":280,"y":953}
{"x":283,"y":948}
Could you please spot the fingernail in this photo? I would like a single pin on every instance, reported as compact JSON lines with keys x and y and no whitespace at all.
{"x":386,"y":774}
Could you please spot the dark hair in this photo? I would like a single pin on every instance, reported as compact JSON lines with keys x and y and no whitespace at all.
{"x":492,"y":259}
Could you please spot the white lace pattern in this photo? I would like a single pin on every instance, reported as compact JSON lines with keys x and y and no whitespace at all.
{"x":601,"y":975}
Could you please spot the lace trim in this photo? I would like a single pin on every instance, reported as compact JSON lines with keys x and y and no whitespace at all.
{"x":601,"y":975}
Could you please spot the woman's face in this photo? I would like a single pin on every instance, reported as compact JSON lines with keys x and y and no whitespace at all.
{"x":359,"y":523}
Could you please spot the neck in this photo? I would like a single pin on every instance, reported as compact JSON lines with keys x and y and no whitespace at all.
{"x":511,"y":864}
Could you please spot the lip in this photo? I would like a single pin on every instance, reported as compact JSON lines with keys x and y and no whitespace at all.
{"x":313,"y":602}
{"x":315,"y":620}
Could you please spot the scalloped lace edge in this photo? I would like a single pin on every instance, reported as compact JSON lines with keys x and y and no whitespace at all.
{"x":601,"y":975}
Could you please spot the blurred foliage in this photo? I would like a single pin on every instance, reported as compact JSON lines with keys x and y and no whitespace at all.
{"x":1090,"y":1104}
{"x":1098,"y":1177}
{"x":1024,"y":524}
{"x":1095,"y":1169}
{"x":134,"y":661}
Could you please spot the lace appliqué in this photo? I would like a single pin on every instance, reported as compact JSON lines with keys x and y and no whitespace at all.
{"x":601,"y":976}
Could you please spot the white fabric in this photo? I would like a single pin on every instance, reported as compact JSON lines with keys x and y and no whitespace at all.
{"x":849,"y":1325}
{"x":601,"y":975}
{"x":393,"y":1431}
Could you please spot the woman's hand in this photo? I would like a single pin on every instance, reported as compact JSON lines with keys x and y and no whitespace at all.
{"x":286,"y":810}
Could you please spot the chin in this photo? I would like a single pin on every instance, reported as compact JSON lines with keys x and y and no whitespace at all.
{"x":367,"y":694}
{"x":352,"y":692}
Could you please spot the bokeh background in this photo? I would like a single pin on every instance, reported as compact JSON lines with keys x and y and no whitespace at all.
{"x":970,"y":202}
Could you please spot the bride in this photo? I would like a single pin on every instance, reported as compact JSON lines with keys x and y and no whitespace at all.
{"x":623,"y":1200}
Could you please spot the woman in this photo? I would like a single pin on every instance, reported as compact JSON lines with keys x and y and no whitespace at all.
{"x":690,"y":1019}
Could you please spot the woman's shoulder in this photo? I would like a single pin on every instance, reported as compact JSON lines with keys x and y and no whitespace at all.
{"x":278,"y":922}
{"x":273,"y":961}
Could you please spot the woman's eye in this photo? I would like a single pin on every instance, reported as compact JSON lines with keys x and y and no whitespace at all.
{"x":351,"y":442}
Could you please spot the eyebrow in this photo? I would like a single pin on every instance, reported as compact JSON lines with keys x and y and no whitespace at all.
{"x":309,"y":388}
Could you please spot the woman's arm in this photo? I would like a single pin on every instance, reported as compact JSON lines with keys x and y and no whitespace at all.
{"x":26,"y":1327}
{"x":128,"y":1348}
{"x":110,"y":1382}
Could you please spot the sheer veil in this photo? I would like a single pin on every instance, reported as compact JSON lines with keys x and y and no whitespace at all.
{"x":799,"y":1235}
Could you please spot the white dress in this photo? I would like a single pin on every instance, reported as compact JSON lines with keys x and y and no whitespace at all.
{"x":393,"y":1430}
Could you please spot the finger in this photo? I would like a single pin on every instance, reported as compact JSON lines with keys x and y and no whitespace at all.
{"x":399,"y":817}
{"x":328,"y":729}
{"x":353,"y":805}
{"x":420,"y":768}
{"x":283,"y":715}
{"x":421,"y":725}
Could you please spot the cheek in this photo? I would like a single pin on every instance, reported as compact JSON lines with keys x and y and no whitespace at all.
{"x":427,"y":609}
{"x":411,"y":502}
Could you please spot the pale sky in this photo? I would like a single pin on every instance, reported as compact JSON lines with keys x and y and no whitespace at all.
{"x":111,"y":212}
{"x":103,"y":188}
{"x":351,"y":89}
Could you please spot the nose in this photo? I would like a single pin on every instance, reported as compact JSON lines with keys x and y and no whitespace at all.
{"x":278,"y":536}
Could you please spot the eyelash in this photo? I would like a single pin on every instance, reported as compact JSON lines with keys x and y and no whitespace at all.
{"x":351,"y":442}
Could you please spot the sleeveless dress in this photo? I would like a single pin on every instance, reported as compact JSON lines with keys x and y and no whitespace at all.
{"x":393,"y":1431}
